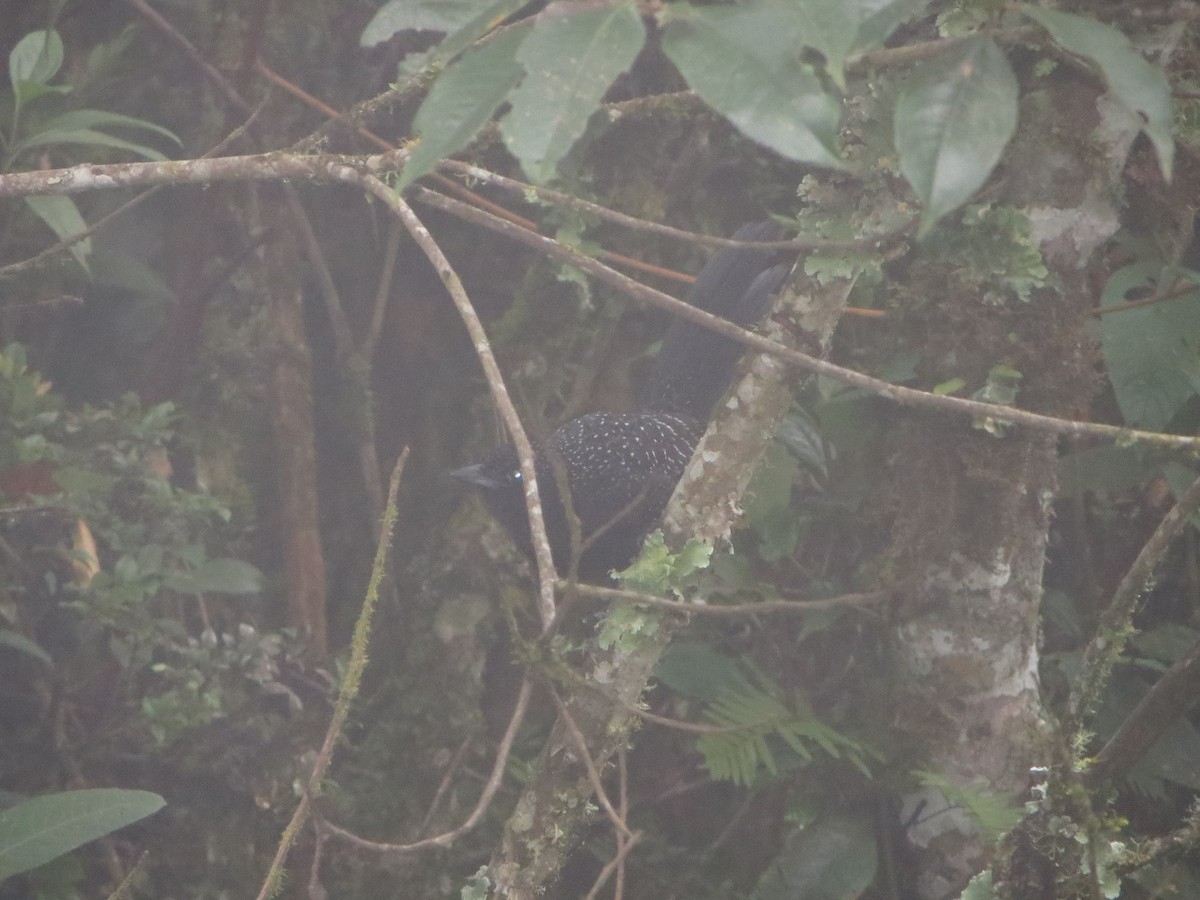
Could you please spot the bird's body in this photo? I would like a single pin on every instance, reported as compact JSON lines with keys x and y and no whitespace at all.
{"x":621,"y":468}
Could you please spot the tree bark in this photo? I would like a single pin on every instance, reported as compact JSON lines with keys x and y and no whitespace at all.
{"x":291,"y":410}
{"x":973,"y":507}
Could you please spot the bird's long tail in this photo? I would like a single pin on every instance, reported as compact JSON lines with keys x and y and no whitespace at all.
{"x":694,"y":366}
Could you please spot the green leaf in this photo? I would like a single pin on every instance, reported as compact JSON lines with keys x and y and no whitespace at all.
{"x":696,"y":670}
{"x":833,"y":857}
{"x":626,"y":627}
{"x":744,"y":63}
{"x":98,"y":118}
{"x":884,"y":18}
{"x":34,"y":61}
{"x":1140,"y":86}
{"x":657,"y":569}
{"x":835,"y":27}
{"x":487,"y":19}
{"x":130,"y":273}
{"x":103,"y":58}
{"x":88,"y":137}
{"x":749,"y":715}
{"x":570,"y":60}
{"x":462,"y":101}
{"x":993,"y":814}
{"x":65,"y":220}
{"x":770,"y":490}
{"x":980,"y":888}
{"x":217,"y":576}
{"x":76,"y":480}
{"x":1180,"y":478}
{"x":22,"y":644}
{"x":31,"y":90}
{"x":1151,"y":353}
{"x":41,"y":829}
{"x":426,"y":15}
{"x":1106,"y":468}
{"x":953,"y":120}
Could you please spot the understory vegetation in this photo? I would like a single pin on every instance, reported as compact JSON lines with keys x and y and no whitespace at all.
{"x":923,"y":617}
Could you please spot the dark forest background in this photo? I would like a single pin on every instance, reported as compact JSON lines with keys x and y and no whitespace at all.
{"x":201,"y":401}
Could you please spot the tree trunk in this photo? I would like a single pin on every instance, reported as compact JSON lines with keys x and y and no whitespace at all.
{"x":973,"y":506}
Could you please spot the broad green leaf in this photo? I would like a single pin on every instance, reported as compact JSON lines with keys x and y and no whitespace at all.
{"x":1151,"y":353}
{"x":1133,"y":80}
{"x":1180,"y":478}
{"x":98,"y":118}
{"x":485,"y":21}
{"x":35,"y":60}
{"x":65,"y":220}
{"x":422,"y":15}
{"x":696,"y":670}
{"x":89,"y":138}
{"x":884,"y":17}
{"x":217,"y":576}
{"x":1105,"y":468}
{"x":1174,"y":757}
{"x":570,"y":60}
{"x":744,"y":63}
{"x":657,"y":569}
{"x":770,"y":488}
{"x":953,"y":120}
{"x":103,"y":58}
{"x":41,"y":829}
{"x":456,"y":42}
{"x":462,"y":101}
{"x":835,"y":27}
{"x":833,"y":857}
{"x":980,"y":888}
{"x":832,"y":28}
{"x":31,"y":90}
{"x":131,"y":274}
{"x":994,"y":814}
{"x":76,"y":480}
{"x":22,"y":644}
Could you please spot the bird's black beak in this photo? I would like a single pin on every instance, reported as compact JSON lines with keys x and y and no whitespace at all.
{"x":475,"y":475}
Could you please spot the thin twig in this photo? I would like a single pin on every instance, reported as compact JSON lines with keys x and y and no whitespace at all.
{"x":126,"y":884}
{"x":622,"y":850}
{"x":386,"y":275}
{"x":350,"y":169}
{"x":585,"y":757}
{"x":1173,"y":696}
{"x":1115,"y":625}
{"x":870,"y":242}
{"x":763,"y":607}
{"x":495,"y":779}
{"x":346,"y":693}
{"x":1180,"y":289}
{"x":447,"y":780}
{"x":343,"y":340}
{"x":190,"y":50}
{"x":611,"y":866}
{"x":1004,"y":415}
{"x":512,"y":421}
{"x":315,"y":889}
{"x":36,"y":260}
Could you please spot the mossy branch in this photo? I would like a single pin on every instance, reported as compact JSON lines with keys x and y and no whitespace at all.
{"x":346,"y":693}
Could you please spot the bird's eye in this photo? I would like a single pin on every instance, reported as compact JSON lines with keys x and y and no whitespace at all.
{"x":516,"y":475}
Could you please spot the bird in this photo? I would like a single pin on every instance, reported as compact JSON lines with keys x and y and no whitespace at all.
{"x":617,"y":471}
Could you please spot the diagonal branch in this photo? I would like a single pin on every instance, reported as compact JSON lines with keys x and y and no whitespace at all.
{"x":353,"y":169}
{"x":546,"y":573}
{"x":1116,"y":622}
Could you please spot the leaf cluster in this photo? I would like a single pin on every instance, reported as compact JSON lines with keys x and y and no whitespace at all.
{"x":776,"y":70}
{"x":32,"y":119}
